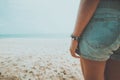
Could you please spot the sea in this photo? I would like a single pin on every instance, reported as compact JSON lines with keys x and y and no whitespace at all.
{"x":19,"y":44}
{"x":35,"y":35}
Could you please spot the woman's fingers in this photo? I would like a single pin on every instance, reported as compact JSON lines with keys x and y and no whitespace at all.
{"x":74,"y":54}
{"x":73,"y":47}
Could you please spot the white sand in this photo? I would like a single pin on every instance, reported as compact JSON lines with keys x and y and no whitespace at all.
{"x":38,"y":59}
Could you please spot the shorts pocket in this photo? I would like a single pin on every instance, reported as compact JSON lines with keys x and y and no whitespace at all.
{"x":102,"y":34}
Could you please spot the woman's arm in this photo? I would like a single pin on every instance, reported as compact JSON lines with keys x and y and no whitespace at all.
{"x":85,"y":12}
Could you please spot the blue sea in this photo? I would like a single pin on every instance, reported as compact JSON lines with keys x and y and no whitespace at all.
{"x":34,"y":35}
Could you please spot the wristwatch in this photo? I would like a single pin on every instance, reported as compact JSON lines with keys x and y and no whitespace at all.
{"x":75,"y":37}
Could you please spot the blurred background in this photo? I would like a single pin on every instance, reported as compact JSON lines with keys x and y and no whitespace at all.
{"x":35,"y":40}
{"x":37,"y":18}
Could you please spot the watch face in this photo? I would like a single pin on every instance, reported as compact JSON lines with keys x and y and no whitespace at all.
{"x":74,"y":39}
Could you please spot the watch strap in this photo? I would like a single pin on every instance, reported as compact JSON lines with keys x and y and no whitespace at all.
{"x":75,"y":37}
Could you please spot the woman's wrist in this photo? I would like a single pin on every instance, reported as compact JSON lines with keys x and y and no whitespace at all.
{"x":74,"y":37}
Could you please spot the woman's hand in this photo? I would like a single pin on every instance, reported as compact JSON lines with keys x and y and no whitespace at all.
{"x":73,"y":47}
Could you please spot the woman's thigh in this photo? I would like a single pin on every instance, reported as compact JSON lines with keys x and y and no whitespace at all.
{"x":112,"y":71}
{"x":93,"y":70}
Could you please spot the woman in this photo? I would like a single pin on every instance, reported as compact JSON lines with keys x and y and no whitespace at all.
{"x":97,"y":33}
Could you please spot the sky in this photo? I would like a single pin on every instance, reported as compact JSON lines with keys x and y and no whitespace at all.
{"x":38,"y":16}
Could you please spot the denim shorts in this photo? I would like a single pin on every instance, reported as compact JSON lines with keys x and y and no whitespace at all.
{"x":101,"y":37}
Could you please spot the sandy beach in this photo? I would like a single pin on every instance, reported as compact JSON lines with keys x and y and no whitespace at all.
{"x":37,"y":59}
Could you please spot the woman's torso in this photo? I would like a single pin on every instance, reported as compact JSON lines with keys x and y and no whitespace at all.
{"x":112,"y":4}
{"x":107,"y":9}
